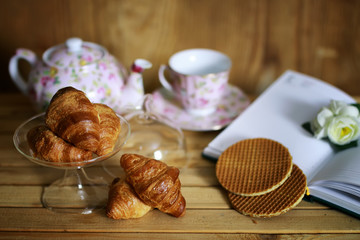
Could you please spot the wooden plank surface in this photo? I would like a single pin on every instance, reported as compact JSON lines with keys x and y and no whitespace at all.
{"x":175,"y":236}
{"x":196,"y":198}
{"x":195,"y":221}
{"x":209,"y":214}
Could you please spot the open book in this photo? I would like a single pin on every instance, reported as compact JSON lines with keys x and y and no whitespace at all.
{"x":278,"y":113}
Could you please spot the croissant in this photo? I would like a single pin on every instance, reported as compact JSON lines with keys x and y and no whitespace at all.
{"x":157,"y":184}
{"x":123,"y":203}
{"x":74,"y":118}
{"x":46,"y":145}
{"x":110,"y":128}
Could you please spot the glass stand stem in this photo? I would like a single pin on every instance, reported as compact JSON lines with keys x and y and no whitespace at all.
{"x":76,"y":192}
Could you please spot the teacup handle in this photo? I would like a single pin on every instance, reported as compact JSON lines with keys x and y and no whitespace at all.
{"x":27,"y":55}
{"x":162,"y":78}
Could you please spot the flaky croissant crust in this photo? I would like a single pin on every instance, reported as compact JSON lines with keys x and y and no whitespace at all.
{"x":157,"y":184}
{"x":123,"y":203}
{"x":110,"y":128}
{"x":46,"y":145}
{"x":75,"y":129}
{"x":73,"y":117}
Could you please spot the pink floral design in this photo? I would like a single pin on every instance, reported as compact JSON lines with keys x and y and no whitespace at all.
{"x":111,"y":76}
{"x":225,"y":121}
{"x":46,"y":79}
{"x":101,"y":92}
{"x":105,"y":77}
{"x":203,"y":102}
{"x":88,"y":58}
{"x":169,"y":110}
{"x":222,"y":87}
{"x":226,"y":111}
{"x":102,"y":66}
{"x":221,"y":109}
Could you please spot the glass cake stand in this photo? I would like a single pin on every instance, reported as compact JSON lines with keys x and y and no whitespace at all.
{"x":76,"y":191}
{"x":155,"y":136}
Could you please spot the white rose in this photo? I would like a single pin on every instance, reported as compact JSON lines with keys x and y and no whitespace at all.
{"x":340,"y":108}
{"x":335,"y":106}
{"x":339,"y":121}
{"x":343,"y":129}
{"x":320,"y":123}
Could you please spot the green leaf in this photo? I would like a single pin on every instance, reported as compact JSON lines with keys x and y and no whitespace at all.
{"x":339,"y":148}
{"x":307,"y":127}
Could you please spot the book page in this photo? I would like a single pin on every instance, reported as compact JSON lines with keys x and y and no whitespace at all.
{"x":344,"y":167}
{"x":279,"y":113}
{"x":338,"y":198}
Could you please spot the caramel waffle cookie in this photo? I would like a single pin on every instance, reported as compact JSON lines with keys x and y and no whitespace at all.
{"x":254,"y":166}
{"x":276,"y":202}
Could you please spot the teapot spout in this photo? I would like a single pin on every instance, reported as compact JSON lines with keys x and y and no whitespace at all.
{"x":134,"y":89}
{"x":140,"y":65}
{"x":135,"y":80}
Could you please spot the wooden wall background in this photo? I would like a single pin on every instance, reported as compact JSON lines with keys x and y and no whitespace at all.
{"x":263,"y":37}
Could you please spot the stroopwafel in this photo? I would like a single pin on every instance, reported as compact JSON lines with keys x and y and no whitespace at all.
{"x":276,"y":202}
{"x":254,"y":166}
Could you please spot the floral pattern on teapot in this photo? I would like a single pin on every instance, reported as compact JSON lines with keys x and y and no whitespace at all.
{"x":90,"y":69}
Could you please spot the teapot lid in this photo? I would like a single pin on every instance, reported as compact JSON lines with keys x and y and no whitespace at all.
{"x":73,"y":53}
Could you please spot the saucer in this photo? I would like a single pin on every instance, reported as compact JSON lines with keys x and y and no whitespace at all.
{"x":230,"y":106}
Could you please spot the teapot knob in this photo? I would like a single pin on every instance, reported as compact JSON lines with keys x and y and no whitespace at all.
{"x":74,"y":44}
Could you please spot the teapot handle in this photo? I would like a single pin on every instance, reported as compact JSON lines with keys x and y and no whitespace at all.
{"x":27,"y":55}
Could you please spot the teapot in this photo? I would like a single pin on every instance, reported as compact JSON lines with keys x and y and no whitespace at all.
{"x":83,"y":65}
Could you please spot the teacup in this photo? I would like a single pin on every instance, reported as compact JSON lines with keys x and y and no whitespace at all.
{"x":198,"y":78}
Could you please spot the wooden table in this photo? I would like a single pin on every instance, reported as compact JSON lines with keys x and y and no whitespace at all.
{"x":208,"y":216}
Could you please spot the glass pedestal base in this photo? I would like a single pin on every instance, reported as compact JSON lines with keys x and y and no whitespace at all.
{"x":76,"y":192}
